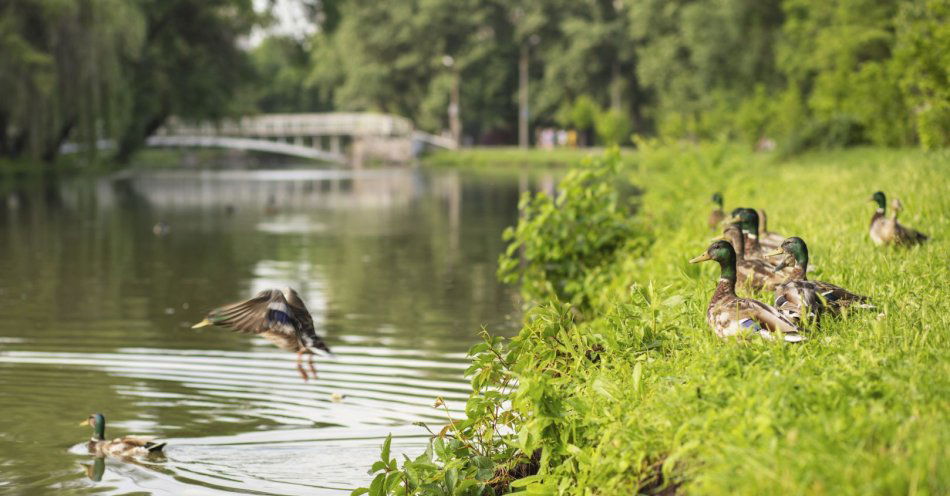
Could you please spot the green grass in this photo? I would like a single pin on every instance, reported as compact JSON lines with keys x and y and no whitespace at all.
{"x":860,"y":408}
{"x":508,"y":157}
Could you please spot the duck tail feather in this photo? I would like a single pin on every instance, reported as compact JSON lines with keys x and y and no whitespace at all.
{"x":155,"y":447}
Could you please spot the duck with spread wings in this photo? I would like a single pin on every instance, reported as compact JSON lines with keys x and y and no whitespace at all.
{"x":279,"y":316}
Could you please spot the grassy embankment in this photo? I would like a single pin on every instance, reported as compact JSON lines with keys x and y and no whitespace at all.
{"x":506,"y":157}
{"x":617,"y":382}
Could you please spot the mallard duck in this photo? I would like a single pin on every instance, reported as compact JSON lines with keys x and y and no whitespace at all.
{"x":885,"y":230}
{"x":729,"y":315}
{"x":717,"y":215}
{"x":748,"y":220}
{"x":798,"y":296}
{"x":766,"y":237}
{"x":753,"y":273}
{"x":121,"y":446}
{"x":161,"y":229}
{"x":280,"y":316}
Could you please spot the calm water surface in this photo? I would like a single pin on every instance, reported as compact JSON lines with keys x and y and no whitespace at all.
{"x":397,"y":267}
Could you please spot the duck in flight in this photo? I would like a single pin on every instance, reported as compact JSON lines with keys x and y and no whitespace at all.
{"x":279,"y":316}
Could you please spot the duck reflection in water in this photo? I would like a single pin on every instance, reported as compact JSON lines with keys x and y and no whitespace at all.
{"x":281,"y":317}
{"x":96,"y":469}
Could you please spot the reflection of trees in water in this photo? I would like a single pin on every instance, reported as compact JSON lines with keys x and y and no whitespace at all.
{"x":81,"y":263}
{"x":439,"y":257}
{"x":424,"y":265}
{"x":82,"y":272}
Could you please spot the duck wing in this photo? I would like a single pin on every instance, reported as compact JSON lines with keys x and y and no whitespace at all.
{"x":302,"y":314}
{"x":771,"y":240}
{"x":132,"y":444}
{"x":768,"y":317}
{"x":907,"y":235}
{"x":838,"y":297}
{"x":267,"y":312}
{"x":795,"y":298}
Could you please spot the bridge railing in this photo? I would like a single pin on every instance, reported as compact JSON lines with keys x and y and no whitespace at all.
{"x":294,"y":125}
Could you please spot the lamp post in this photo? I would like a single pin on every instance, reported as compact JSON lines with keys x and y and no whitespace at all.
{"x":455,"y":122}
{"x":523,"y":109}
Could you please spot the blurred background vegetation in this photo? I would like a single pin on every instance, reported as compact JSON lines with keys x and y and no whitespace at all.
{"x":796,"y":74}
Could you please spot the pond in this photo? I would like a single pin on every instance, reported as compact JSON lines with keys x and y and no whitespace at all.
{"x":96,"y":303}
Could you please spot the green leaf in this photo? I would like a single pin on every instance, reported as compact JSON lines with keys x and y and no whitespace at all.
{"x":451,"y":479}
{"x":377,"y":466}
{"x":377,"y":487}
{"x":359,"y":491}
{"x":384,"y":455}
{"x":392,"y":480}
{"x":637,"y":375}
{"x":524,"y":481}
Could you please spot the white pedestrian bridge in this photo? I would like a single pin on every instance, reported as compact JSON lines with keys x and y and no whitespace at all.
{"x":346,"y":138}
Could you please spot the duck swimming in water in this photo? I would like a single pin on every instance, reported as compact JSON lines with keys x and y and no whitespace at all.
{"x":121,"y":447}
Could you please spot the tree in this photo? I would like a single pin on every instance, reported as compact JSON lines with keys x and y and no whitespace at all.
{"x":190,"y":65}
{"x":62,"y":73}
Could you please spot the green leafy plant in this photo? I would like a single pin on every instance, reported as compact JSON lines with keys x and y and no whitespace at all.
{"x":470,"y":456}
{"x":562,"y":245}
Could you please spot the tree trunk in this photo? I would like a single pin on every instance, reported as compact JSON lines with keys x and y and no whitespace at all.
{"x":455,"y":119}
{"x":52,"y":148}
{"x":134,"y":139}
{"x":523,"y":97}
{"x":3,"y":134}
{"x":616,"y":86}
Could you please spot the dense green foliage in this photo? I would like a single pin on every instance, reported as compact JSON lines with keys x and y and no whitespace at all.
{"x":563,"y":246}
{"x":89,"y":70}
{"x":637,"y":393}
{"x":799,"y":73}
{"x":805,"y":73}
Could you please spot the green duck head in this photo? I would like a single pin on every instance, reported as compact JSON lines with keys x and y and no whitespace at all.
{"x":722,"y":252}
{"x":717,"y":199}
{"x":98,"y":422}
{"x":795,"y":249}
{"x":879,"y":198}
{"x":748,"y":220}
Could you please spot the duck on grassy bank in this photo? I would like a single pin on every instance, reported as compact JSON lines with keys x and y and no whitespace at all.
{"x":280,"y":316}
{"x":886,"y":230}
{"x":748,"y":221}
{"x":752,"y":273}
{"x":121,"y":447}
{"x":729,"y":315}
{"x":766,"y":237}
{"x":798,"y":298}
{"x":717,"y":215}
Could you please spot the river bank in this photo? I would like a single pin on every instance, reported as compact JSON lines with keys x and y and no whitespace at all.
{"x":615,"y":381}
{"x":510,"y":157}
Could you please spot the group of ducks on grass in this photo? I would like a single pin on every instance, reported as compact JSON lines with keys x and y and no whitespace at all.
{"x":745,"y":254}
{"x":280,"y":316}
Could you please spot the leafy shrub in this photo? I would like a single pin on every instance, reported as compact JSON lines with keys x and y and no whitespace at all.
{"x":562,"y":246}
{"x":613,"y":127}
{"x":839,"y":131}
{"x":468,"y":457}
